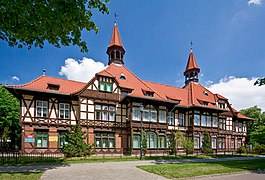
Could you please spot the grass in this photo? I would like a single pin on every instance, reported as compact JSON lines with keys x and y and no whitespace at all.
{"x":187,"y":170}
{"x":96,"y":159}
{"x":21,"y":176}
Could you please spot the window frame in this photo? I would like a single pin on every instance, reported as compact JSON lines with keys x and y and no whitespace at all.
{"x":102,"y":136}
{"x":41,"y":135}
{"x":104,"y":112}
{"x":61,"y":135}
{"x":42,"y":108}
{"x":64,"y":109}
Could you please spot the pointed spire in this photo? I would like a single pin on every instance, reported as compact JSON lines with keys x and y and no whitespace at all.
{"x":115,"y":37}
{"x":192,"y":70}
{"x":115,"y":49}
{"x":192,"y":64}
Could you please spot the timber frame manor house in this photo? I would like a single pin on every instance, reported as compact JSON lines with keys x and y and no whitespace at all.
{"x":109,"y":109}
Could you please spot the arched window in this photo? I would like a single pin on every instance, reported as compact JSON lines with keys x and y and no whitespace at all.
{"x":112,"y":55}
{"x":118,"y":55}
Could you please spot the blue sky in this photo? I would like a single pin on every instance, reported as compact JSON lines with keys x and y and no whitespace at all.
{"x":228,"y":43}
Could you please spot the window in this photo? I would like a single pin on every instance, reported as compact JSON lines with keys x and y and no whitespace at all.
{"x":105,"y":112}
{"x":171,"y":119}
{"x":54,"y":87}
{"x":61,"y":139}
{"x":222,"y":124}
{"x":122,"y":76}
{"x":221,"y":105}
{"x":136,"y":114}
{"x":232,"y":143}
{"x":42,"y":108}
{"x":213,"y":142}
{"x":161,"y":141}
{"x":215,"y":121}
{"x":41,"y":139}
{"x":197,"y":119}
{"x":221,"y":142}
{"x":196,"y":142}
{"x":205,"y":93}
{"x":64,"y":110}
{"x":105,"y":86}
{"x":151,"y":138}
{"x":208,"y":120}
{"x":239,"y":142}
{"x":136,"y":140}
{"x":203,"y":120}
{"x":240,"y":127}
{"x":162,"y":116}
{"x":150,"y":114}
{"x":104,"y":140}
{"x":181,"y":119}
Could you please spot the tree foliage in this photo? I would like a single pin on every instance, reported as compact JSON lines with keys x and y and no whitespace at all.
{"x":255,"y":128}
{"x":59,"y":22}
{"x":76,"y":146}
{"x":260,"y":82}
{"x":206,"y":143}
{"x":144,"y":143}
{"x":188,"y":145}
{"x":9,"y":118}
{"x":172,"y":143}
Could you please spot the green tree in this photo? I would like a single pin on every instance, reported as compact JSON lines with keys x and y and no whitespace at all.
{"x":76,"y":146}
{"x":59,"y":22}
{"x":206,"y":143}
{"x":258,"y":136}
{"x":144,"y":143}
{"x":179,"y":138}
{"x":9,"y":118}
{"x":172,"y":143}
{"x":252,"y":126}
{"x":188,"y":145}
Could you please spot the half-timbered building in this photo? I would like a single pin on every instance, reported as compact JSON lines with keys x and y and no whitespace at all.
{"x":115,"y":105}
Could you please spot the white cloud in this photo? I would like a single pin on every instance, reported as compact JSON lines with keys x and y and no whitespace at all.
{"x":254,"y":2}
{"x":15,"y":78}
{"x":81,"y":70}
{"x":241,"y":92}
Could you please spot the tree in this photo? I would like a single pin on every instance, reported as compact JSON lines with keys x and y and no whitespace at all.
{"x":252,"y":126}
{"x":10,"y":128}
{"x":172,"y":143}
{"x":260,"y":82}
{"x":144,"y":143}
{"x":206,"y":143}
{"x":188,"y":145}
{"x":76,"y":146}
{"x":258,"y":136}
{"x":60,"y":23}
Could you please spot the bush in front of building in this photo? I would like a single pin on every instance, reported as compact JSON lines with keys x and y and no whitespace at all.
{"x":242,"y":150}
{"x":172,"y":143}
{"x":76,"y":146}
{"x":144,"y":143}
{"x":206,"y":143}
{"x":259,"y":148}
{"x":188,"y":145}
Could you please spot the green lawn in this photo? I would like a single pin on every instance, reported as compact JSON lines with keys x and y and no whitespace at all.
{"x":186,"y":170}
{"x":21,"y":176}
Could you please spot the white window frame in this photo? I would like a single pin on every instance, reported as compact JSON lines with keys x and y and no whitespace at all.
{"x":136,"y":114}
{"x":64,"y":112}
{"x":42,"y":105}
{"x":214,"y":142}
{"x":162,"y":116}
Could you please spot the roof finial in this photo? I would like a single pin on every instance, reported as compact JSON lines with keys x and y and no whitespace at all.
{"x":191,"y":44}
{"x":44,"y":72}
{"x":115,"y":17}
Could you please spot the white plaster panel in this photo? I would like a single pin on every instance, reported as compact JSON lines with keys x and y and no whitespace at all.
{"x":83,"y":107}
{"x":90,"y":116}
{"x":90,"y":108}
{"x":82,"y":115}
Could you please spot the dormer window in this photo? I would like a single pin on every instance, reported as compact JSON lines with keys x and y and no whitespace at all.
{"x":105,"y":84}
{"x":148,"y":93}
{"x":122,"y":76}
{"x":54,"y":87}
{"x":205,"y":93}
{"x":221,"y":105}
{"x":205,"y":103}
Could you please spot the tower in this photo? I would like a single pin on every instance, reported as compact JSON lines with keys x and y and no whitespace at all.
{"x":192,"y":70}
{"x":115,"y":49}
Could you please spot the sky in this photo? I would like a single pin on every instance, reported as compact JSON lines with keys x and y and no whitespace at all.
{"x":228,"y":44}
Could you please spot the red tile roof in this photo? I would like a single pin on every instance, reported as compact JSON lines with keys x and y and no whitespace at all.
{"x":41,"y":84}
{"x":192,"y":64}
{"x":115,"y":37}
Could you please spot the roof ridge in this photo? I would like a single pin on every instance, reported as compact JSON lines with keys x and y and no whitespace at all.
{"x":142,"y":81}
{"x":163,"y":84}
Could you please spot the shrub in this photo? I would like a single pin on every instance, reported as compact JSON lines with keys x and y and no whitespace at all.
{"x":259,"y":148}
{"x":206,"y":143}
{"x":76,"y":146}
{"x":241,"y":150}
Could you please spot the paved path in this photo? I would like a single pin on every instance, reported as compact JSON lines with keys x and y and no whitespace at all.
{"x":108,"y":170}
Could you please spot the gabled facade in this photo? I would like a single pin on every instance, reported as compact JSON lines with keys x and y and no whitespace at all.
{"x":109,"y":107}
